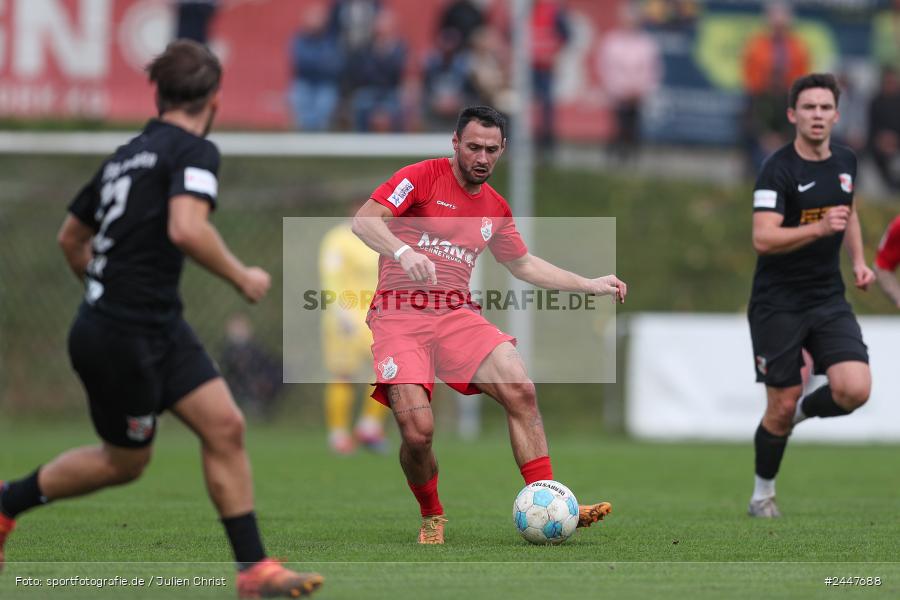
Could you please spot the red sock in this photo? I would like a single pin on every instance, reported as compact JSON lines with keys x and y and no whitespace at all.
{"x":537,"y":469}
{"x":427,"y":495}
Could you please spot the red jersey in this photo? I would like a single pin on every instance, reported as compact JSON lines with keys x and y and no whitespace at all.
{"x":888,"y":256}
{"x":443,"y":221}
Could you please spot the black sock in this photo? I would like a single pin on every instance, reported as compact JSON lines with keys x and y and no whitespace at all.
{"x":769,"y":451}
{"x":821,"y":404}
{"x":245,"y":541}
{"x":20,"y":495}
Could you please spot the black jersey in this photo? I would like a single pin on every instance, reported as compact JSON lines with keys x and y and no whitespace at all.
{"x":802,"y":191}
{"x":133,"y":276}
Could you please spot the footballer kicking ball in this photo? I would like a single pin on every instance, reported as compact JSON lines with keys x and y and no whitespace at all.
{"x":546,"y":512}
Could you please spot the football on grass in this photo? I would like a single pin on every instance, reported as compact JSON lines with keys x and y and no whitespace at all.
{"x":546,"y":512}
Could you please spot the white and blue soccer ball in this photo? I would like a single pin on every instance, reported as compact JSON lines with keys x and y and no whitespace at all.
{"x":546,"y":512}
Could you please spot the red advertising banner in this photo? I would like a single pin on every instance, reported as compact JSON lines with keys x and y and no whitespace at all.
{"x":85,"y":58}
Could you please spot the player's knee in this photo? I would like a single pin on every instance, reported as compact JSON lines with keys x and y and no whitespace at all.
{"x":520,"y":397}
{"x":127,"y":467}
{"x":229,"y":431}
{"x":782,"y":410}
{"x":418,"y":439}
{"x":850,"y":395}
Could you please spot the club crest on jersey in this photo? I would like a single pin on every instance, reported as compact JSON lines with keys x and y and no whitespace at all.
{"x":388,"y":368}
{"x":486,"y":227}
{"x":140,"y":429}
{"x":761,"y":365}
{"x":846,"y":182}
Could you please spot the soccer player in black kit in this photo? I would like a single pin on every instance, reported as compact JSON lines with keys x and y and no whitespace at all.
{"x":125,"y":236}
{"x":803,"y":213}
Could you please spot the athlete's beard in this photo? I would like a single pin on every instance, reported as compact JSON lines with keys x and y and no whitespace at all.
{"x":469,"y":176}
{"x":209,"y":121}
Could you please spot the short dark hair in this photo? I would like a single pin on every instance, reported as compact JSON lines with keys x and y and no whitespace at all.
{"x":487,"y":116}
{"x":814,"y":80}
{"x":186,"y":75}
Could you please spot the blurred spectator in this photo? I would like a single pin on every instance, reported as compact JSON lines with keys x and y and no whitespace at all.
{"x":852,"y":128}
{"x":886,"y":37}
{"x":253,"y":375}
{"x":773,"y":59}
{"x":884,"y":129}
{"x":193,"y":18}
{"x":631,"y":69}
{"x":549,"y":33}
{"x":489,"y":73}
{"x":447,"y":87}
{"x":374,"y":74}
{"x":463,"y":18}
{"x":352,"y":22}
{"x":317,"y":62}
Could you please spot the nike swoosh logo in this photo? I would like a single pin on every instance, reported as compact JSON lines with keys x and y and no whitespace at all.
{"x":803,"y":188}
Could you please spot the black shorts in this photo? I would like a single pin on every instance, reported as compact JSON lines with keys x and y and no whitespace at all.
{"x":829,"y":333}
{"x":131,"y":377}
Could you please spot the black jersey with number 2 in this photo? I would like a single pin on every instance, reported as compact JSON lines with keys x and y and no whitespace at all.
{"x":133,"y":276}
{"x":802,"y":191}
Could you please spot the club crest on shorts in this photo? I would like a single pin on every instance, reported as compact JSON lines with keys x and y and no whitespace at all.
{"x":846,"y":182}
{"x":139,"y":429}
{"x":761,"y":365}
{"x":486,"y":226}
{"x":388,"y":368}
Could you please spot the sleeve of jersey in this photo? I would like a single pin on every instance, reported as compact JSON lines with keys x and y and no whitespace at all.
{"x":195,"y":172}
{"x":401,"y":191}
{"x":888,"y":256}
{"x":85,"y":203}
{"x":770,"y":188}
{"x":506,"y":244}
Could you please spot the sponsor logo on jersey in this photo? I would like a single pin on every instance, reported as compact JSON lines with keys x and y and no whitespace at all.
{"x":765,"y":198}
{"x":813,"y":215}
{"x":486,"y":227}
{"x":140,"y":429}
{"x":846,"y":182}
{"x":447,"y":249}
{"x":400,"y":193}
{"x":447,"y":204}
{"x":200,"y":181}
{"x":803,"y":187}
{"x":388,"y":368}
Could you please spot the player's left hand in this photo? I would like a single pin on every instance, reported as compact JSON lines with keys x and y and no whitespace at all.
{"x":864,"y":277}
{"x":610,"y":286}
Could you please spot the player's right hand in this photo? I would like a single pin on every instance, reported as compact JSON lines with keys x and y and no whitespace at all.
{"x":835,"y":220}
{"x":418,"y":267}
{"x":254,"y":284}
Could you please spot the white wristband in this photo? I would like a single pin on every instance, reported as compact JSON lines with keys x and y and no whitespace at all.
{"x":401,"y":250}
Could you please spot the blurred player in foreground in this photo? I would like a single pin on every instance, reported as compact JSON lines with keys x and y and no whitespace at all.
{"x":886,"y":262}
{"x":349,"y":269}
{"x":125,"y":236}
{"x":803,"y":212}
{"x":429,"y":222}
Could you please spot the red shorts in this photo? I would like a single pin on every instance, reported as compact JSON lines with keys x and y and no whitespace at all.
{"x":415,"y":346}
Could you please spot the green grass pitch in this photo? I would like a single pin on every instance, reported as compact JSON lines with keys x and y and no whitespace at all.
{"x":678,"y":526}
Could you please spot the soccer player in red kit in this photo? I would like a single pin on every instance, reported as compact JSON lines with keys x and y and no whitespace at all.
{"x":887,"y":260}
{"x":430,"y":222}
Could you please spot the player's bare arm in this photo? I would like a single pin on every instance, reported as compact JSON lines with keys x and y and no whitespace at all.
{"x":369,"y":225}
{"x":863,"y":276}
{"x":190,"y":230}
{"x":537,"y":271}
{"x":769,"y":237}
{"x":74,"y":238}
